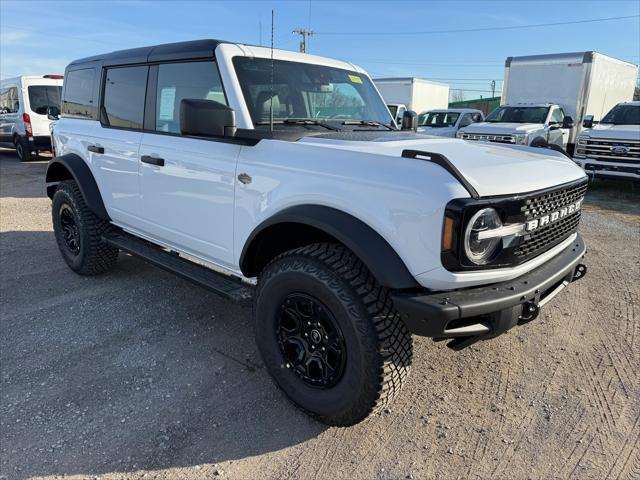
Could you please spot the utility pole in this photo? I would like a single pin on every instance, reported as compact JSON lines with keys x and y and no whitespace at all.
{"x":493,"y":88}
{"x":304,"y":34}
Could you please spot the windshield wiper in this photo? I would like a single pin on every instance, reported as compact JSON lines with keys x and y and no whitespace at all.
{"x":300,"y":121}
{"x":367,"y":123}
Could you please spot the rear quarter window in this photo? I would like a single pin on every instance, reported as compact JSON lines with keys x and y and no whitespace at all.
{"x":78,"y":94}
{"x":41,"y":97}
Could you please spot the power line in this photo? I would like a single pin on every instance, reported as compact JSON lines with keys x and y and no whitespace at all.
{"x":481,"y":29}
{"x":304,"y":34}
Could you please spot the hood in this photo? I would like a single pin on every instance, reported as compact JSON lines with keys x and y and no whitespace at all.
{"x":438,"y":131}
{"x":492,"y":169}
{"x":611,"y":131}
{"x":502,"y":128}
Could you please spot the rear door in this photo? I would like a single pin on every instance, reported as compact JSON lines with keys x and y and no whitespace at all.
{"x":187,"y":183}
{"x":114,"y":154}
{"x":41,"y":96}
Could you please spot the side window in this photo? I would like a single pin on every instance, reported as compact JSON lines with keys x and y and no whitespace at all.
{"x":466,"y":120}
{"x":9,"y":102}
{"x":77,"y":98}
{"x":124,"y":94}
{"x":176,"y":81}
{"x":557,"y":116}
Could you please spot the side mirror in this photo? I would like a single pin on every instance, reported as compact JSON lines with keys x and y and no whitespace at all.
{"x":206,"y":118}
{"x":53,"y":113}
{"x":567,"y":122}
{"x":409,"y":120}
{"x":588,"y":121}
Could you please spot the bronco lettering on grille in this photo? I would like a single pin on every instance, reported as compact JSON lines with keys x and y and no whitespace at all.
{"x":553,"y":216}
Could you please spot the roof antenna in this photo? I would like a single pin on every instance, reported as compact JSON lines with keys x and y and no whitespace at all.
{"x":272,"y":92}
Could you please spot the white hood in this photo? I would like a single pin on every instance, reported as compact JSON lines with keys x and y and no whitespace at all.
{"x":502,"y":128}
{"x":611,"y":131}
{"x":492,"y":169}
{"x":439,"y":131}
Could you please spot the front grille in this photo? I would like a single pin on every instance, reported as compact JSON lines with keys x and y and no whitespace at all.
{"x":544,"y":238}
{"x":489,"y":138}
{"x":612,"y":150}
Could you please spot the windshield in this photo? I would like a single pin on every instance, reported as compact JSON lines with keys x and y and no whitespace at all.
{"x":307,"y":91}
{"x":42,"y":97}
{"x":518,"y":115}
{"x":438,"y":119}
{"x":623,"y":115}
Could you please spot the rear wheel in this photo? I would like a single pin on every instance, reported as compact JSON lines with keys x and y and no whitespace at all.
{"x":79,"y":231}
{"x":329,"y":334}
{"x":22,"y":149}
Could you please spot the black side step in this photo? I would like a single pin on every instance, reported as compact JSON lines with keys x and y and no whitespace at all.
{"x":227,"y":286}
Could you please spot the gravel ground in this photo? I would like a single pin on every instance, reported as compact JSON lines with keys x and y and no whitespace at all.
{"x":139,"y":374}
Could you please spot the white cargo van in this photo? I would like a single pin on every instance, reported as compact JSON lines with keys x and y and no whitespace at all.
{"x":569,"y":84}
{"x":27,"y":106}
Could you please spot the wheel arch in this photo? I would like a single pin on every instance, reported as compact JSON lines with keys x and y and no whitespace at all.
{"x":73,"y":167}
{"x":300,"y":225}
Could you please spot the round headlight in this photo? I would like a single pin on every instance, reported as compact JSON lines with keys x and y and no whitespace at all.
{"x":479,"y":251}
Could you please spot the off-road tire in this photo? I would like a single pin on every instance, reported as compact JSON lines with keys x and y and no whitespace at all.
{"x":22,"y":150}
{"x":378,"y":345}
{"x":94,"y":256}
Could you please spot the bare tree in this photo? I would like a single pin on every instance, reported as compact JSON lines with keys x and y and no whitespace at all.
{"x":456,"y":96}
{"x":636,"y":93}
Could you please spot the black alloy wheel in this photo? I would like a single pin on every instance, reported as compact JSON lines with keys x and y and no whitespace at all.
{"x":310,"y":340}
{"x":70,"y":232}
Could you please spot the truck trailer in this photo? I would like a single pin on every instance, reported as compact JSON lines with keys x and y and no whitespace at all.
{"x":582,"y":83}
{"x":415,"y":94}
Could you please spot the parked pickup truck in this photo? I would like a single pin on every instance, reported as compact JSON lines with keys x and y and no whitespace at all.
{"x":611,"y":148}
{"x":246,"y":171}
{"x":536,"y":125}
{"x":447,"y":122}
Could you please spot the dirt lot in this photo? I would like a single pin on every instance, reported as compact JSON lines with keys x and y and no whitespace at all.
{"x":138,"y":374}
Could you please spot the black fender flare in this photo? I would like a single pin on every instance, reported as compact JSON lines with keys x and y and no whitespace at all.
{"x":374,"y":251}
{"x":73,"y":166}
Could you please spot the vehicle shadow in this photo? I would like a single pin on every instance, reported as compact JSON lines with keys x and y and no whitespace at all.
{"x":22,"y":179}
{"x":132,"y":370}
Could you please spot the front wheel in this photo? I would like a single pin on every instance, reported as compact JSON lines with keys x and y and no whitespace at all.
{"x":329,"y":334}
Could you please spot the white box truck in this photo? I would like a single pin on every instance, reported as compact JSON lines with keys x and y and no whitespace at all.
{"x":540,"y":91}
{"x":412,"y":93}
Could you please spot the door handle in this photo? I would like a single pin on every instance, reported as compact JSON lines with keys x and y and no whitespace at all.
{"x":95,"y":149}
{"x":152,"y":160}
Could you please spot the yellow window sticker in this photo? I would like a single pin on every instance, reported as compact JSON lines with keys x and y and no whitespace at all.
{"x":355,"y":79}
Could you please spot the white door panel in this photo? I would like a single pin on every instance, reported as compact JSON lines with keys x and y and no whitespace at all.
{"x":188,"y":202}
{"x":117,"y":171}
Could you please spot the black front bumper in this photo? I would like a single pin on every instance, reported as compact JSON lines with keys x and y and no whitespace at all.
{"x":490,"y":309}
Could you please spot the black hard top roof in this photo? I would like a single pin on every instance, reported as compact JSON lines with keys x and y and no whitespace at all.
{"x":156,"y":53}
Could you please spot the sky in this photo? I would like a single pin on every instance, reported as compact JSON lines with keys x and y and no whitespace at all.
{"x":386,"y":38}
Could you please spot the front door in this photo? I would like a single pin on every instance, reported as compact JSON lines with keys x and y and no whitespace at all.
{"x":186,"y":183}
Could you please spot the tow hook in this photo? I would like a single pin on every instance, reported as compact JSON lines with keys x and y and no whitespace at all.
{"x":530,"y":312}
{"x":579,"y":272}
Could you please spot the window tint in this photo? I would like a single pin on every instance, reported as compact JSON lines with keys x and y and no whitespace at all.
{"x":78,"y":93}
{"x":557,"y":116}
{"x":176,"y":81}
{"x":9,"y":102}
{"x":41,"y":97}
{"x":124,"y":92}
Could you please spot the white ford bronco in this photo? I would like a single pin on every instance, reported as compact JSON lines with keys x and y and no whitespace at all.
{"x":280,"y":178}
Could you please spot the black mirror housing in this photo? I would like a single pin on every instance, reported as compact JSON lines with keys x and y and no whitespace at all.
{"x":409,"y":120}
{"x":567,"y":122}
{"x":206,"y":118}
{"x":588,"y":121}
